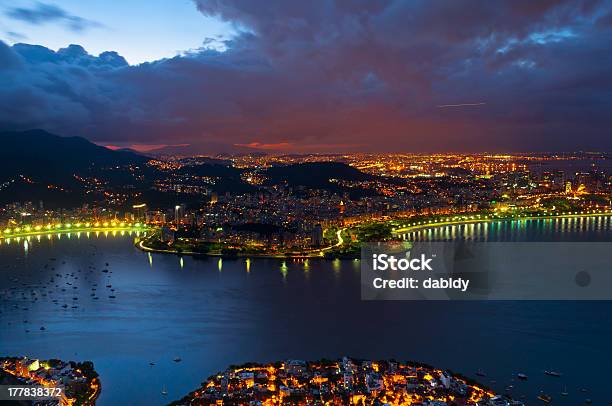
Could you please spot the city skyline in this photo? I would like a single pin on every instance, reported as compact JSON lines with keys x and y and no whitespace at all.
{"x":322,"y":77}
{"x":281,"y":205}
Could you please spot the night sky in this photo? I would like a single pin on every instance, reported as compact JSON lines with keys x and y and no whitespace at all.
{"x":323,"y":76}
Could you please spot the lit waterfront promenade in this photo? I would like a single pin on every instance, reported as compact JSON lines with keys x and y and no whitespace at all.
{"x":404,"y":227}
{"x":68,"y":228}
{"x":489,"y":218}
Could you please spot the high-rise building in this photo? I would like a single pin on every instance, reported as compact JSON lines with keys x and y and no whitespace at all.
{"x":317,"y":235}
{"x":179,"y":213}
{"x":140,"y":211}
{"x":558,"y":180}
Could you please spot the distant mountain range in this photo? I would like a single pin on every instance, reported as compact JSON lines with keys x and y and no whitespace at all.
{"x":37,"y":165}
{"x":39,"y":154}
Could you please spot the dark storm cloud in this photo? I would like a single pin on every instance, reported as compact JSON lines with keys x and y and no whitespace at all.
{"x":42,"y":13}
{"x":342,"y":75}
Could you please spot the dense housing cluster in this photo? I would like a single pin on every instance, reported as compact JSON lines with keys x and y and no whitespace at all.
{"x":78,"y":381}
{"x":341,"y":382}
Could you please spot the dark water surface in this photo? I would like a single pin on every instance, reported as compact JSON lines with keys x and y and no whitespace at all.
{"x":214,"y":314}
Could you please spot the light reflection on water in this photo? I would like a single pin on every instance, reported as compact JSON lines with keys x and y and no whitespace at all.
{"x":213,"y":313}
{"x":27,"y":240}
{"x":558,"y":229}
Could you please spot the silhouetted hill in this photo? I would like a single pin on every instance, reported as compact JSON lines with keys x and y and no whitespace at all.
{"x":42,"y":155}
{"x":315,"y":174}
{"x":37,"y":165}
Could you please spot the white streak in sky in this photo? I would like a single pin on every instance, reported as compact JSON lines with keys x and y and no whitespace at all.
{"x":443,"y":106}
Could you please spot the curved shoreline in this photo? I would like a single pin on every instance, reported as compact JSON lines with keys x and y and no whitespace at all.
{"x":465,"y":219}
{"x":317,"y":253}
{"x":63,"y":231}
{"x":489,"y":219}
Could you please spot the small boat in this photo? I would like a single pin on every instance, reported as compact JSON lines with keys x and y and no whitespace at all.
{"x":480,"y":373}
{"x":164,"y":391}
{"x":177,"y":359}
{"x":521,"y":376}
{"x":564,"y":393}
{"x":544,"y":398}
{"x":553,"y":373}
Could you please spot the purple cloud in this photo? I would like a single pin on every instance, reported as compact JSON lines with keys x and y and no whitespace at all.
{"x":341,"y":75}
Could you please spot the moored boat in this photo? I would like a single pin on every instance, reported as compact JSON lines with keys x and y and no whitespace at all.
{"x":544,"y":398}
